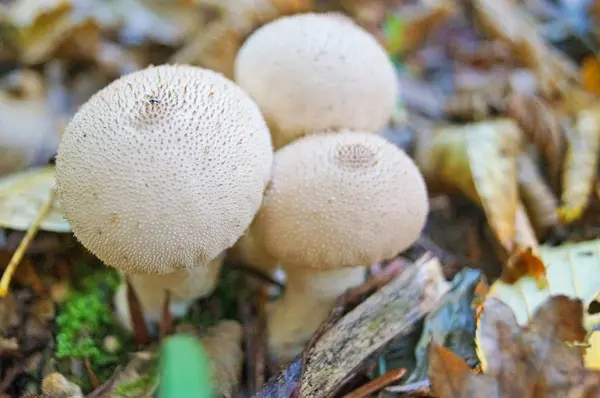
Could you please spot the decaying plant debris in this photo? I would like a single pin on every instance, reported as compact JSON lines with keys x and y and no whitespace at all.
{"x":498,"y":298}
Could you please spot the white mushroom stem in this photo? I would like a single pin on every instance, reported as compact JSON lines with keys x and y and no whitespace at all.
{"x":309,"y":297}
{"x":185,"y":286}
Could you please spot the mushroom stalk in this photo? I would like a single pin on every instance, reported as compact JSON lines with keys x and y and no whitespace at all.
{"x":185,"y":286}
{"x":309,"y":297}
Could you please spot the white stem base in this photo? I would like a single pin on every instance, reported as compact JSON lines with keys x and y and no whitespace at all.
{"x":306,"y":303}
{"x":185,"y":287}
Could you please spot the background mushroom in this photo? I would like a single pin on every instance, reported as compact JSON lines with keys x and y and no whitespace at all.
{"x":336,"y":203}
{"x":315,"y":72}
{"x":161,"y":171}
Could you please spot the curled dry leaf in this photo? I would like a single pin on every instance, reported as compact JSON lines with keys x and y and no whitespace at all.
{"x":215,"y":43}
{"x":478,"y":160}
{"x":542,"y":127}
{"x":29,"y":130}
{"x":410,"y":25}
{"x":503,"y":19}
{"x":223,"y":344}
{"x":572,"y":270}
{"x":23,"y":194}
{"x":537,"y":360}
{"x":524,"y":234}
{"x":537,"y":196}
{"x":468,"y":106}
{"x":580,"y":164}
{"x":542,"y":357}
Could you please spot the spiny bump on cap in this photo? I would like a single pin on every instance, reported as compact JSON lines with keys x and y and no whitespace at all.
{"x":315,"y":72}
{"x":341,"y":199}
{"x":164,"y":168}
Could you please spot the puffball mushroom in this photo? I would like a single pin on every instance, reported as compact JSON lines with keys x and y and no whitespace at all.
{"x":336,"y":203}
{"x":162,"y":170}
{"x":315,"y":72}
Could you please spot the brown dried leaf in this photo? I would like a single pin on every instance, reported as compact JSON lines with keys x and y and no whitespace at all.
{"x":223,"y":345}
{"x":25,"y":274}
{"x":580,"y":164}
{"x":503,"y":19}
{"x":215,"y":44}
{"x":536,"y":360}
{"x":525,"y":263}
{"x":542,"y":127}
{"x":479,"y":160}
{"x":468,"y":106}
{"x":537,"y":196}
{"x":450,"y":376}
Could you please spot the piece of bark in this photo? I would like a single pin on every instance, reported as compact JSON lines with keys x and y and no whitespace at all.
{"x":388,"y":314}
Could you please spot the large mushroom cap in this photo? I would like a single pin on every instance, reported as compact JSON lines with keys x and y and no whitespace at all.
{"x":163,"y":169}
{"x":315,"y":72}
{"x":347,"y":199}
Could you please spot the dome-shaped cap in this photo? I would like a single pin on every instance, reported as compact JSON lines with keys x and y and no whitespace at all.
{"x":316,"y":72}
{"x":163,"y":169}
{"x":346,"y":199}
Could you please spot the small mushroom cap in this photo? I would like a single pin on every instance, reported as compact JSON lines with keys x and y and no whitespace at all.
{"x":163,"y":169}
{"x":347,"y":199}
{"x":315,"y":72}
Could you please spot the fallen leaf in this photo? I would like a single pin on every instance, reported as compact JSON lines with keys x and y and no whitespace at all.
{"x":580,"y":164}
{"x":23,"y":194}
{"x":451,"y":323}
{"x":56,"y":385}
{"x":538,"y":198}
{"x":592,"y":353}
{"x":525,"y":238}
{"x":525,"y":263}
{"x":479,"y":160}
{"x":543,"y":127}
{"x":503,"y":19}
{"x":450,"y":376}
{"x":571,"y":270}
{"x":29,"y":131}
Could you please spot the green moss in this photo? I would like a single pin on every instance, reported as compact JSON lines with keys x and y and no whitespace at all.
{"x":138,"y":386}
{"x":86,"y":318}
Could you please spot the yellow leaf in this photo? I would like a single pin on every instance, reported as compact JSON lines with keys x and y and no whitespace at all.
{"x":572,"y":270}
{"x":480,"y":161}
{"x":21,"y":197}
{"x":580,"y":164}
{"x":592,"y":353}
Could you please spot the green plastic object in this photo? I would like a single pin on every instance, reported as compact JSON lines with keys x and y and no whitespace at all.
{"x":185,"y":369}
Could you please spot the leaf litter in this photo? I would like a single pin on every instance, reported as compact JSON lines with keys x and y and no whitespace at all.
{"x":499,"y":111}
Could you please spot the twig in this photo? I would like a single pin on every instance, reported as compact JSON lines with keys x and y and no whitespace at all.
{"x":166,"y":320}
{"x":104,"y":387}
{"x":260,"y":342}
{"x":141,"y":335}
{"x":20,"y":252}
{"x":10,"y":375}
{"x":377,"y":384}
{"x":92,"y":375}
{"x":352,"y":297}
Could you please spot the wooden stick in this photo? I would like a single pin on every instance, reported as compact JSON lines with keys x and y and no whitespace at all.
{"x":377,"y":384}
{"x":20,"y":252}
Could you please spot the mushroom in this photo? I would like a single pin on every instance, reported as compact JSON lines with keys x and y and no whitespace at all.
{"x":151,"y":292}
{"x":315,"y":72}
{"x":337,"y":202}
{"x":160,"y":172}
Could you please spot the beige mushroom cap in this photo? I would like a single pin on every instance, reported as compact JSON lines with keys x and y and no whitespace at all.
{"x":347,"y":199}
{"x":163,"y":169}
{"x":315,"y":72}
